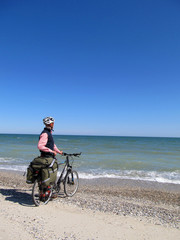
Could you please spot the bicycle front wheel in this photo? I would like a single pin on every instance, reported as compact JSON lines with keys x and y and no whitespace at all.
{"x":40,"y":196}
{"x":71,"y":183}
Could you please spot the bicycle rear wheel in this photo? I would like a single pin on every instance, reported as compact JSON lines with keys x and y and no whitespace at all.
{"x":71,"y":183}
{"x":40,"y":196}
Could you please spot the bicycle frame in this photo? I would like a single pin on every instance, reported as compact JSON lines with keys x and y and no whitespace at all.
{"x":66,"y":168}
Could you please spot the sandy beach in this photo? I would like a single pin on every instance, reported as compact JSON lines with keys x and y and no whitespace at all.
{"x":102,"y":209}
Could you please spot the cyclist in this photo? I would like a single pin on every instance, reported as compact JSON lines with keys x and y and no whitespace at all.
{"x":46,"y":143}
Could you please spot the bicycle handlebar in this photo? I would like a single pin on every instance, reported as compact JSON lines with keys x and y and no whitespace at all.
{"x":72,"y":154}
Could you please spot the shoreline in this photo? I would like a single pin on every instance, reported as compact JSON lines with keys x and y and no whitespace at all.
{"x":107,"y":183}
{"x":99,"y":180}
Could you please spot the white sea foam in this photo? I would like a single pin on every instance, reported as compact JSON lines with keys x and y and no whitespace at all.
{"x":18,"y":168}
{"x":161,"y":177}
{"x":6,"y":159}
{"x":10,"y":160}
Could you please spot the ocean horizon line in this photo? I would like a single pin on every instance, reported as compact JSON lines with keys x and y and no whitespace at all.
{"x":93,"y":135}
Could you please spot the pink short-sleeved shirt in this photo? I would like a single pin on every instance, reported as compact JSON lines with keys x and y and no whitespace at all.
{"x":42,"y":144}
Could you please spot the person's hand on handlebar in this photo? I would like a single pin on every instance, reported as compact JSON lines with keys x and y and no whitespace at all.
{"x":54,"y":152}
{"x":61,"y":152}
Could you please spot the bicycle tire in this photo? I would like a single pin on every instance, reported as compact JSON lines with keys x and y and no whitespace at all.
{"x":71,"y":183}
{"x":36,"y":195}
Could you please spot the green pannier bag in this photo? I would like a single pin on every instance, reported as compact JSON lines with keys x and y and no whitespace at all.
{"x":49,"y":175}
{"x":48,"y":168}
{"x":30,"y":178}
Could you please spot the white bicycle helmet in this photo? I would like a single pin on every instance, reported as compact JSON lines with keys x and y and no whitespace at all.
{"x":48,"y":120}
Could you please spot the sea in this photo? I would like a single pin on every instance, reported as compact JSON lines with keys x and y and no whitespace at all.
{"x":138,"y":158}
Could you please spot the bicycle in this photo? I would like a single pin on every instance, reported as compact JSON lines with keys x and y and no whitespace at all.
{"x":68,"y":177}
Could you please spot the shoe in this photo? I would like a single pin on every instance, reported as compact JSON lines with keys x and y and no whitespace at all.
{"x":42,"y":197}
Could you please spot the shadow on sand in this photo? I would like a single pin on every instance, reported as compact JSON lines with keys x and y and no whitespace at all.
{"x":17,"y":196}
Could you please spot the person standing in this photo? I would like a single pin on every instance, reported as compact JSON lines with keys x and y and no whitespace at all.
{"x":48,"y":150}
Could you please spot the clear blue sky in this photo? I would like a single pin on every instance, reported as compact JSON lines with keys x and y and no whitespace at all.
{"x":99,"y":67}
